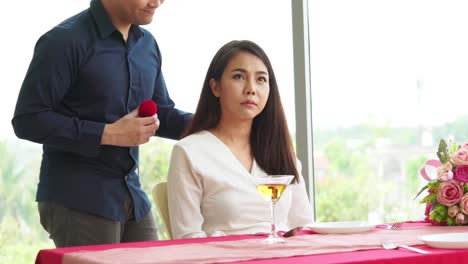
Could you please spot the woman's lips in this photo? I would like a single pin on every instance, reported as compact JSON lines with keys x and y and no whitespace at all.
{"x":249,"y":103}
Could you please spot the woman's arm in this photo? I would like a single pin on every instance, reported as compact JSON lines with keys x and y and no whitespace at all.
{"x":301,"y":212}
{"x":184,"y":190}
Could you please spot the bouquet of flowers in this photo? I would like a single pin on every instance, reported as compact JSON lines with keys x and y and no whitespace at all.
{"x":447,"y":199}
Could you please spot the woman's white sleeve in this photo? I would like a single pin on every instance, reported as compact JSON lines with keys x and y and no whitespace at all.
{"x":184,"y":191}
{"x":301,"y":212}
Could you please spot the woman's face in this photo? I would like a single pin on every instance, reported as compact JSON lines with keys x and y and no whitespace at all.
{"x":244,"y":87}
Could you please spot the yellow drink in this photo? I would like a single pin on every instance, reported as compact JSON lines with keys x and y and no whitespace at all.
{"x":271,"y":192}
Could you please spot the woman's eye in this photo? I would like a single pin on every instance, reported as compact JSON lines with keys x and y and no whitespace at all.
{"x":262,"y":79}
{"x":238,"y":77}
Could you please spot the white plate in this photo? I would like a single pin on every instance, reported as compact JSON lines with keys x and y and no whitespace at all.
{"x":448,"y":240}
{"x":340,"y":227}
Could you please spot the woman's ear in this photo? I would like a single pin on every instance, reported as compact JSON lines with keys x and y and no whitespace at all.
{"x":214,"y":87}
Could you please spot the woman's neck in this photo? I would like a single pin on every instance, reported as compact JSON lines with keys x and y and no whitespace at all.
{"x":236,"y":136}
{"x":233,"y":133}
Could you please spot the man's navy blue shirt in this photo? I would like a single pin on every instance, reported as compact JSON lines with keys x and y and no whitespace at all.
{"x":82,"y":76}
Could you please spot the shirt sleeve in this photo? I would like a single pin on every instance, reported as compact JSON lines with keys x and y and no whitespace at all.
{"x":172,"y":120}
{"x":301,"y":212}
{"x":51,"y":74}
{"x":184,"y":191}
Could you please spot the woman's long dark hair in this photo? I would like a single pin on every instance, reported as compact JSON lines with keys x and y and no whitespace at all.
{"x":269,"y":138}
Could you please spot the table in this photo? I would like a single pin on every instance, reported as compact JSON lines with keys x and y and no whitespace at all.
{"x":371,"y":256}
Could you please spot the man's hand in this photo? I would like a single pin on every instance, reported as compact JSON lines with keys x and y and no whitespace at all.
{"x":130,"y":130}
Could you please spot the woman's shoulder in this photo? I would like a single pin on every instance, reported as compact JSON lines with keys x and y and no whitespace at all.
{"x":200,"y":139}
{"x":197,"y":147}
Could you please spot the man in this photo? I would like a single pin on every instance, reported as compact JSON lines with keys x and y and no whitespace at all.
{"x":79,"y":99}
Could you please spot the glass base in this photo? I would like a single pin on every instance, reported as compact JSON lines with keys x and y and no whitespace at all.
{"x":273,"y":240}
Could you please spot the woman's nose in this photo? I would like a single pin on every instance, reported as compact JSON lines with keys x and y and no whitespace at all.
{"x":250,"y":88}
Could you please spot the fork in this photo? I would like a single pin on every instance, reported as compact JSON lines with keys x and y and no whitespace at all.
{"x":396,"y":225}
{"x":390,"y":245}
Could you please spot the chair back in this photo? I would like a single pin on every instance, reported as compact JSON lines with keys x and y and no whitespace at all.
{"x":160,"y":199}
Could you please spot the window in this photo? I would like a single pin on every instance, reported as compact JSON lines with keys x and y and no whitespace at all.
{"x":385,"y":78}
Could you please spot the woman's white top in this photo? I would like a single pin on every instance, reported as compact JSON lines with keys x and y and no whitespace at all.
{"x":210,"y":193}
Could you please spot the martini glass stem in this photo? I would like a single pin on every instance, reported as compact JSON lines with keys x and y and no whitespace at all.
{"x":273,"y":222}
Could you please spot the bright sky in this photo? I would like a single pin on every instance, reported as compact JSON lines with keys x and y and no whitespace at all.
{"x":366,"y":55}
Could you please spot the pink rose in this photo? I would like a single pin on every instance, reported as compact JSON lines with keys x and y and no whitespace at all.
{"x":450,"y":193}
{"x":444,"y":173}
{"x":460,"y":157}
{"x":465,"y":146}
{"x":453,"y":210}
{"x":445,"y":176}
{"x":464,"y":204}
{"x":460,"y":219}
{"x":461,"y":173}
{"x":448,"y":166}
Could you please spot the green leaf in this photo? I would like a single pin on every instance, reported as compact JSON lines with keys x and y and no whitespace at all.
{"x":453,"y":148}
{"x":439,"y":213}
{"x":442,"y":152}
{"x":420,"y":191}
{"x":434,"y":185}
{"x":429,"y":198}
{"x":451,"y":221}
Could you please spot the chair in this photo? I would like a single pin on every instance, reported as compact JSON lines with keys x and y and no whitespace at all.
{"x":160,"y":199}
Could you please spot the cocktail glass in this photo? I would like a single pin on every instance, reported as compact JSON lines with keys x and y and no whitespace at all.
{"x":272,"y":188}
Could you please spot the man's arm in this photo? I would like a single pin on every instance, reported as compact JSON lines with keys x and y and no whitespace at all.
{"x":130,"y":130}
{"x":51,"y":74}
{"x":173,"y":121}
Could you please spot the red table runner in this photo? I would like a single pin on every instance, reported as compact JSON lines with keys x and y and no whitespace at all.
{"x":247,"y":248}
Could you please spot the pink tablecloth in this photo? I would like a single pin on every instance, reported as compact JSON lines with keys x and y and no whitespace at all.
{"x":297,"y":251}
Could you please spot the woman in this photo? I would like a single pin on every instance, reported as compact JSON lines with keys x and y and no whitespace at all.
{"x":238,"y":132}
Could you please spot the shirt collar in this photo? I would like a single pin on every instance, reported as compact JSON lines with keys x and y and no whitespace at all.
{"x":104,"y":23}
{"x":102,"y":19}
{"x":135,"y":29}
